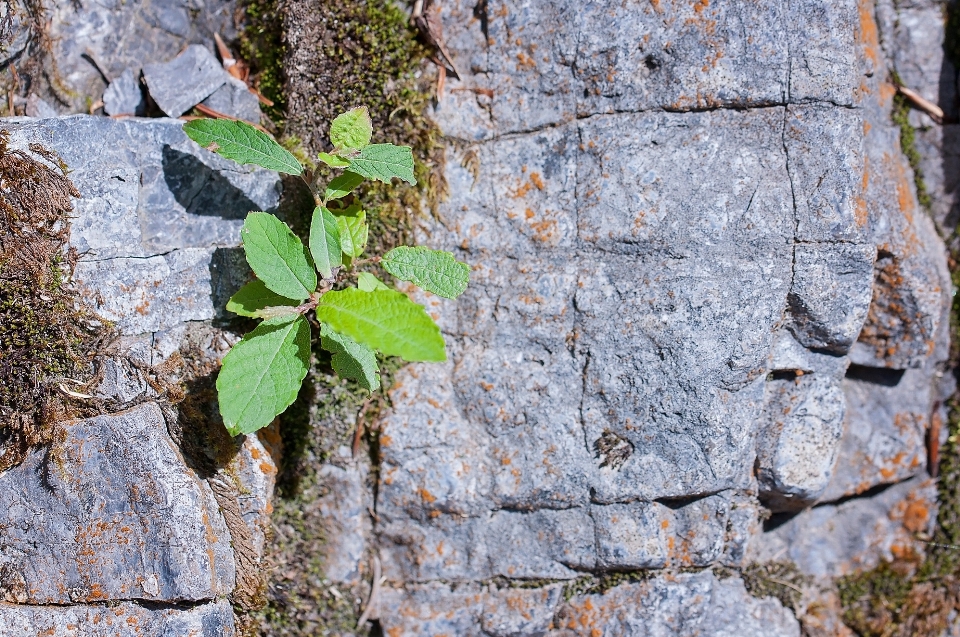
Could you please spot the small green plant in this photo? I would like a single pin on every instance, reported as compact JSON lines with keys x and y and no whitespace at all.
{"x":262,"y":374}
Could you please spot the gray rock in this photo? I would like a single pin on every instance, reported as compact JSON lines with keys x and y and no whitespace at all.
{"x":832,"y":540}
{"x":548,"y":63}
{"x":156,"y":213}
{"x":830,"y":294}
{"x":112,"y":513}
{"x":17,"y":31}
{"x":801,"y":439}
{"x":124,"y":95}
{"x":884,"y":437}
{"x":681,"y":605}
{"x":126,"y":619}
{"x":652,"y":235}
{"x":630,"y":536}
{"x":235,"y":99}
{"x":185,"y":81}
{"x":346,"y":506}
{"x":37,"y":107}
{"x":121,"y":35}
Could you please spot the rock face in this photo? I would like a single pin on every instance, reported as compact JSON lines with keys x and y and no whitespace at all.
{"x":122,"y":620}
{"x":117,"y":520}
{"x":703,"y":292}
{"x":127,"y":35}
{"x":115,"y":512}
{"x":702,"y":286}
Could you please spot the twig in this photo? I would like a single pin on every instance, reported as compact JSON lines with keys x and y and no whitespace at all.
{"x":374,"y":593}
{"x":921,"y":103}
{"x":782,"y":583}
{"x":358,"y":432}
{"x":206,"y":110}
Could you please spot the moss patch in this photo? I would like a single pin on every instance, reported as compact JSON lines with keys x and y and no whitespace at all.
{"x":300,"y":600}
{"x":908,"y":144}
{"x":780,"y":580}
{"x":364,"y":53}
{"x":46,"y":335}
{"x":261,"y":46}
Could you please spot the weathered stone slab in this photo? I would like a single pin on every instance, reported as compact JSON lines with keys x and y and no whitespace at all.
{"x":800,"y":442}
{"x":185,"y":81}
{"x":124,"y":95}
{"x":154,"y":209}
{"x":128,"y":35}
{"x":121,"y":620}
{"x":884,"y":438}
{"x":832,"y":540}
{"x":682,"y":605}
{"x":538,"y":64}
{"x":830,"y":294}
{"x":112,"y":513}
{"x":236,"y":100}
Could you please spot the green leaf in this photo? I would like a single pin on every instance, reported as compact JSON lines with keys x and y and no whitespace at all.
{"x":433,"y":270}
{"x":262,"y":374}
{"x":385,"y":320}
{"x":242,"y":143}
{"x":332,"y":160}
{"x":351,"y":359}
{"x":352,"y":129}
{"x":255,"y":296}
{"x":367,"y":282}
{"x":383,"y":162}
{"x":277,"y":256}
{"x":352,"y":223}
{"x":325,"y":242}
{"x":342,"y":185}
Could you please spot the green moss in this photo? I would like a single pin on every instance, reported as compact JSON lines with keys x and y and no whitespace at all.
{"x":908,"y":145}
{"x":780,"y":580}
{"x":261,"y":46}
{"x":600,"y":584}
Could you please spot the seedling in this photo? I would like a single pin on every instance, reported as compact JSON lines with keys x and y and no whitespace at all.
{"x":262,"y":374}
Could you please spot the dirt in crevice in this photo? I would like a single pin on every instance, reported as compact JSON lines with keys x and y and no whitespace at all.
{"x":48,"y":337}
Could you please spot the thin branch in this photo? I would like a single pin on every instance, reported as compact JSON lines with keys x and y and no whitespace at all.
{"x":921,"y":103}
{"x":374,"y":598}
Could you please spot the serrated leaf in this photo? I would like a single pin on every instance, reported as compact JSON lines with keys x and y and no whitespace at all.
{"x":325,"y":242}
{"x":332,"y":160}
{"x":242,"y":143}
{"x":342,"y":185}
{"x":385,"y":320}
{"x":277,"y":256}
{"x":367,"y":282}
{"x":351,"y":359}
{"x":433,"y":270}
{"x":262,"y":374}
{"x":352,"y":129}
{"x":384,"y":162}
{"x":352,"y":223}
{"x":255,"y":296}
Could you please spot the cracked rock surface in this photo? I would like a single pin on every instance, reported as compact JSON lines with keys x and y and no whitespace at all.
{"x":121,"y":527}
{"x":702,"y":287}
{"x":706,"y":327}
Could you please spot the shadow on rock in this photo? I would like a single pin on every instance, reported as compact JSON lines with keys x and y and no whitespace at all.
{"x":201,"y":190}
